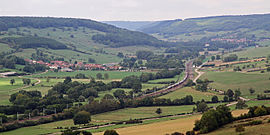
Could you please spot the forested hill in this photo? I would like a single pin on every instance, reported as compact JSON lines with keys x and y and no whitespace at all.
{"x":109,"y":35}
{"x":211,"y":24}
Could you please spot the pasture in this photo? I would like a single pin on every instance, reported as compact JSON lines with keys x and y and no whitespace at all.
{"x":7,"y":89}
{"x":88,"y":73}
{"x":126,"y":114}
{"x":261,"y":129}
{"x":119,"y":115}
{"x":234,"y":80}
{"x":180,"y":125}
{"x":253,"y":52}
{"x":197,"y":95}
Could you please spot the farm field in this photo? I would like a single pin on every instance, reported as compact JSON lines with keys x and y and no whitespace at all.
{"x":82,"y":41}
{"x":112,"y":74}
{"x":6,"y":88}
{"x":176,"y":125}
{"x":179,"y":125}
{"x":141,"y":112}
{"x":261,"y":129}
{"x":197,"y":95}
{"x":255,"y":103}
{"x":126,"y":114}
{"x":235,"y":80}
{"x":4,"y":48}
{"x":252,"y":52}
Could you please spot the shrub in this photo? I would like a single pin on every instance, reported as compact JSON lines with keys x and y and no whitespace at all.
{"x":110,"y":132}
{"x":190,"y":132}
{"x":177,"y":133}
{"x":239,"y":128}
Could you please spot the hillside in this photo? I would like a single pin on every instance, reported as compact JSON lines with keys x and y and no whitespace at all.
{"x":71,"y":39}
{"x":241,"y":26}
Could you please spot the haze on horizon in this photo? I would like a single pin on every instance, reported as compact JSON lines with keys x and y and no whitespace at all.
{"x":132,"y":10}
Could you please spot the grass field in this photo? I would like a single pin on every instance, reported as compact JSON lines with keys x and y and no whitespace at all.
{"x":160,"y":128}
{"x":4,"y":48}
{"x":6,"y":88}
{"x":197,"y":95}
{"x":262,"y":129}
{"x":112,"y":74}
{"x":255,"y":103}
{"x":141,"y":112}
{"x":119,"y":115}
{"x":125,"y":114}
{"x":178,"y":125}
{"x":253,"y":52}
{"x":235,"y":80}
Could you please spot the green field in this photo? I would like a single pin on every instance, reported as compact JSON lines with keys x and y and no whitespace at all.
{"x":235,"y":80}
{"x":112,"y":74}
{"x":4,"y":48}
{"x":197,"y":95}
{"x":6,"y":88}
{"x":255,"y":103}
{"x":253,"y":52}
{"x":119,"y":115}
{"x":261,"y":129}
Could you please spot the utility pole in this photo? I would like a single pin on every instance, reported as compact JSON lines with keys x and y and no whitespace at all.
{"x":17,"y":116}
{"x":29,"y":116}
{"x":55,"y":111}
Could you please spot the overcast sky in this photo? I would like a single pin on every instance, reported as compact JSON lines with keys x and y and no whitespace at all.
{"x":132,"y":10}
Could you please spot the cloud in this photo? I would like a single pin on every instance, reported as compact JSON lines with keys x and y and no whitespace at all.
{"x":132,"y":9}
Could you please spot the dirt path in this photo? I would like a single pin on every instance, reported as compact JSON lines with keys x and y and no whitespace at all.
{"x":27,"y":86}
{"x":96,"y":127}
{"x":199,"y":72}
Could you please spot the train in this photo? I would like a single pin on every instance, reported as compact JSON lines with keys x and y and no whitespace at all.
{"x":179,"y":83}
{"x":172,"y":87}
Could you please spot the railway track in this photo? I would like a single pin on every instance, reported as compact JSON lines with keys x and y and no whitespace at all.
{"x":171,"y":88}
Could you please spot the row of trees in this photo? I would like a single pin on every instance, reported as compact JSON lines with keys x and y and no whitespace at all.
{"x":11,"y":61}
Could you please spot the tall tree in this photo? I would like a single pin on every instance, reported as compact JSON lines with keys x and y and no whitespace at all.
{"x":12,"y":81}
{"x":158,"y":111}
{"x":82,"y":117}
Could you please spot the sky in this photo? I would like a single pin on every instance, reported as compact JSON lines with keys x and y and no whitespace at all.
{"x":132,"y":10}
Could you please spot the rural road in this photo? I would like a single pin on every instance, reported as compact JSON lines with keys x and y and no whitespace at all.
{"x":27,"y":86}
{"x":199,"y":73}
{"x":222,"y":92}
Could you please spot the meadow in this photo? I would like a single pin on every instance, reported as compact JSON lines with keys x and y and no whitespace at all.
{"x":7,"y":89}
{"x":197,"y":95}
{"x":252,"y":52}
{"x":243,"y":81}
{"x":88,"y":73}
{"x":119,"y":115}
{"x":180,"y":125}
{"x":262,"y":129}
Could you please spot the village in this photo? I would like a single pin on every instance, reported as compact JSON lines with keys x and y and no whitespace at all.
{"x":64,"y":66}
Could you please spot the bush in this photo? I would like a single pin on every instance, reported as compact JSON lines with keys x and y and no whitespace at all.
{"x":190,"y":132}
{"x":110,"y":132}
{"x":177,"y":133}
{"x":82,"y":117}
{"x":240,"y":128}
